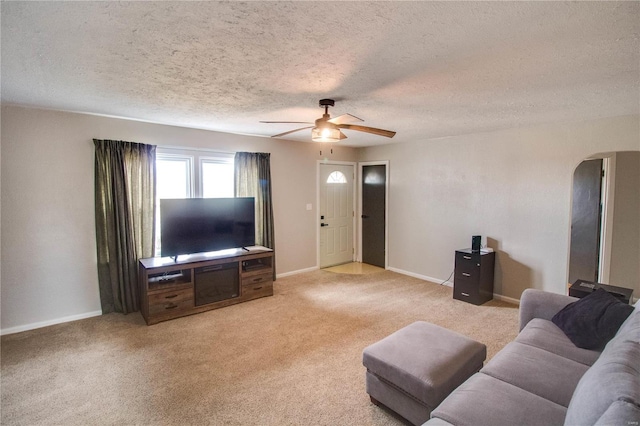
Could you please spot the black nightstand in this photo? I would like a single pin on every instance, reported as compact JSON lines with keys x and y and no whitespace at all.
{"x":473,"y":279}
{"x":581,"y":288}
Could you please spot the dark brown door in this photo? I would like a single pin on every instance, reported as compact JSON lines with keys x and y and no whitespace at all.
{"x":585,"y":221}
{"x":374,"y":192}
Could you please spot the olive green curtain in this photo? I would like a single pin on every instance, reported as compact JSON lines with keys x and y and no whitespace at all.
{"x":125,"y":192}
{"x":252,"y":178}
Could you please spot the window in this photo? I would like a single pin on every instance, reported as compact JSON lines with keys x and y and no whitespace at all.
{"x":173,"y":176}
{"x":337,"y":177}
{"x":217,"y":177}
{"x":176,"y":177}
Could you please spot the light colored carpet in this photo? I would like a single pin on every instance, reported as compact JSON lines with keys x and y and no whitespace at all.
{"x":291,"y":359}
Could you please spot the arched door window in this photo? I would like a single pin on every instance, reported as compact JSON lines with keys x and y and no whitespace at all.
{"x":337,"y":177}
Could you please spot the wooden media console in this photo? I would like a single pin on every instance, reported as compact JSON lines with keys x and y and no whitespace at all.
{"x":196,"y":283}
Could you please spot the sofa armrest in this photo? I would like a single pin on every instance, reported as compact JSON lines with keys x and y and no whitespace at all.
{"x":541,"y":304}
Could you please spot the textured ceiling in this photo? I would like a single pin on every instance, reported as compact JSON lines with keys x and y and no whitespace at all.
{"x":423,"y":69}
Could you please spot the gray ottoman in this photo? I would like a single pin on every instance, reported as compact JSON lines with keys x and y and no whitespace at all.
{"x":412,"y":370}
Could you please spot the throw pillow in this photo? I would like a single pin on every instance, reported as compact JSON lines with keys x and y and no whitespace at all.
{"x":593,"y":320}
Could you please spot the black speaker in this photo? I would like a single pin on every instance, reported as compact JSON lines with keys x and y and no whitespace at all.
{"x":475,"y":243}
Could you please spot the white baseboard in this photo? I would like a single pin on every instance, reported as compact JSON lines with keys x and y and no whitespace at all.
{"x":422,"y":277}
{"x":41,"y":324}
{"x":299,"y":271}
{"x":506,"y":299}
{"x":450,"y":284}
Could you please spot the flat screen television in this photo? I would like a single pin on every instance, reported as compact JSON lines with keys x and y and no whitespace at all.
{"x":197,"y":225}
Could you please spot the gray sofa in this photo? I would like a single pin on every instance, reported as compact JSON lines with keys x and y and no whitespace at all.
{"x":542,"y":378}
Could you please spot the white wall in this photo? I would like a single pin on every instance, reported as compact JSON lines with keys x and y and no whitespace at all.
{"x":48,"y":262}
{"x":512,"y":187}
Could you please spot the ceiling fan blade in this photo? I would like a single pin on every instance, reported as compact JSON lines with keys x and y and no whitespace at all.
{"x":373,"y":130}
{"x":342,"y":136}
{"x":290,"y":131}
{"x":288,"y":122}
{"x":344,"y":118}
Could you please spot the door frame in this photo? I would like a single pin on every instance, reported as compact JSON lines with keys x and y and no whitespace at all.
{"x":607,"y":192}
{"x":361,"y":165}
{"x":606,"y":224}
{"x":353,"y":165}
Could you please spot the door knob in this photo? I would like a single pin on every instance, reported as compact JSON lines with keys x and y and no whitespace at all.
{"x":324,"y":224}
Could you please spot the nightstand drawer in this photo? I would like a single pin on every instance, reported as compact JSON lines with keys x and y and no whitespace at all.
{"x":170,"y":301}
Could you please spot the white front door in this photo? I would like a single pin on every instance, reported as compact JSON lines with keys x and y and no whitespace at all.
{"x":336,"y":214}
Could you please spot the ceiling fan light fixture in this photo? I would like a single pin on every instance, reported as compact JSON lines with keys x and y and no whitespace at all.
{"x":325,"y":134}
{"x":329,"y":129}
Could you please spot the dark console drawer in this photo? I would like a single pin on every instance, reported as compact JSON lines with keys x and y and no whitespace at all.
{"x":467,"y":290}
{"x":468,"y":272}
{"x":468,"y":258}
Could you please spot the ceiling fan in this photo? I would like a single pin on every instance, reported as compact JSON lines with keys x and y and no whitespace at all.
{"x":326,"y":129}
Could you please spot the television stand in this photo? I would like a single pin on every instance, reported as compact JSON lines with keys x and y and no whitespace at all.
{"x":172,"y":288}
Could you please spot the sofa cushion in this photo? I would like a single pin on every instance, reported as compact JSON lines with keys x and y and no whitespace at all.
{"x":614,"y":377}
{"x":538,"y":371}
{"x":486,"y":401}
{"x":593,"y":320}
{"x":544,"y":334}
